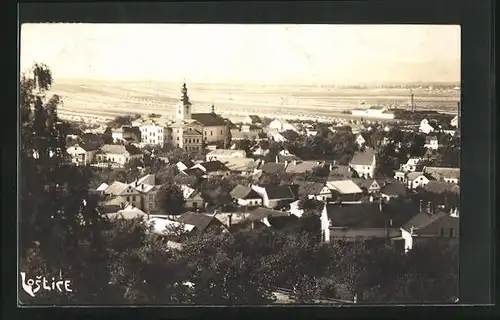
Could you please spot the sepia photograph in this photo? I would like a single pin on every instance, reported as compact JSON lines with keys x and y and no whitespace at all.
{"x":239,"y":164}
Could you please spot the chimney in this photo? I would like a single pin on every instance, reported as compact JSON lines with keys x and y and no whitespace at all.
{"x":229,"y":220}
{"x":136,"y":182}
{"x":330,"y":167}
{"x":277,"y":161}
{"x":380,"y":205}
{"x":421,"y":205}
{"x":286,"y":163}
{"x":143,"y":186}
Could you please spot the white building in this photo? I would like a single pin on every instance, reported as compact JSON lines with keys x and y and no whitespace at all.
{"x":454,"y":122}
{"x":82,"y":154}
{"x":360,"y":140}
{"x":117,"y":154}
{"x":364,"y":163}
{"x":281,"y":125}
{"x":117,"y":135}
{"x":425,"y":127}
{"x":153,"y":134}
{"x":411,"y":165}
{"x":416,"y":179}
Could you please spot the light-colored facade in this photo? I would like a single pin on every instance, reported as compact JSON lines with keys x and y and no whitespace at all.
{"x":153,"y":134}
{"x":116,"y":154}
{"x":80,"y":156}
{"x":223,"y":154}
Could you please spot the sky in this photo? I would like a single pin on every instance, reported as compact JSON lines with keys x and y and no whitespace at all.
{"x":245,"y":54}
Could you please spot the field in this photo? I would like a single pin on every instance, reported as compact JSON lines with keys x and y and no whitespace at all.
{"x":100,"y":100}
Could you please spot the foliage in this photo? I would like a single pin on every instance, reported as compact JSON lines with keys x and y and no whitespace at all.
{"x":170,"y":199}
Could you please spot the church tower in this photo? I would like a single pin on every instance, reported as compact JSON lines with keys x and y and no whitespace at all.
{"x":183,"y":111}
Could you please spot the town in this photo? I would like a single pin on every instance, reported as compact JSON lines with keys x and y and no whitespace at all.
{"x":355,"y":187}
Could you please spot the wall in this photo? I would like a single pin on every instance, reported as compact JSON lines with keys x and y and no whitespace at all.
{"x":349,"y":234}
{"x":249,"y":202}
{"x":215,"y":133}
{"x":446,"y":223}
{"x":419,"y":182}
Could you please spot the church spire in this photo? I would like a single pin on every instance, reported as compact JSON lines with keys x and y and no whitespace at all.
{"x":184,"y":96}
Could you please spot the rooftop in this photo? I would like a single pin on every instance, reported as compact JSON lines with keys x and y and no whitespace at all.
{"x":244,"y":192}
{"x":441,"y":187}
{"x":365,"y":215}
{"x":344,"y":186}
{"x":199,"y":220}
{"x":213,"y":166}
{"x":227,"y":152}
{"x":273,"y":168}
{"x":363,"y":158}
{"x":209,"y":119}
{"x":443,"y":172}
{"x":298,"y":166}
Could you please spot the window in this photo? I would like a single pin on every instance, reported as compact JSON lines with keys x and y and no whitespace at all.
{"x":150,"y":206}
{"x":211,"y":133}
{"x":177,"y":138}
{"x":151,"y":197}
{"x":451,"y":233}
{"x":133,"y":198}
{"x":442,"y":232}
{"x":221,"y":132}
{"x":128,"y":199}
{"x":189,"y":140}
{"x":195,"y":205}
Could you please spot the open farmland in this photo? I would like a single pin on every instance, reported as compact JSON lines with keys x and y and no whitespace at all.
{"x":105,"y":100}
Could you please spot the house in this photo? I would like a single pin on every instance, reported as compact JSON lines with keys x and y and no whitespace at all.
{"x":252,"y":119}
{"x":427,"y":127}
{"x":392,"y":190}
{"x":194,"y":172}
{"x":129,"y":212}
{"x":278,"y":137}
{"x":117,"y":135}
{"x":242,"y":135}
{"x":246,"y":196}
{"x":298,"y":166}
{"x":400,"y":176}
{"x":117,"y":154}
{"x":162,"y":225}
{"x":281,"y":125}
{"x":345,"y":191}
{"x":445,"y":174}
{"x":370,"y":185}
{"x":269,"y":218}
{"x":432,"y":143}
{"x":183,"y":165}
{"x":339,"y":172}
{"x":201,"y":222}
{"x":193,"y":198}
{"x":82,"y":154}
{"x":364,"y":163}
{"x":277,"y":196}
{"x":313,"y":190}
{"x":251,"y":128}
{"x":139,"y":193}
{"x":213,"y":168}
{"x":153,"y":133}
{"x":441,"y":187}
{"x":273,"y":168}
{"x":224,"y":154}
{"x":454,"y":122}
{"x":360,"y":140}
{"x":243,"y":166}
{"x":260,"y":152}
{"x":286,"y":157}
{"x":412,"y":165}
{"x":131,"y":134}
{"x":417,"y":179}
{"x":356,"y":222}
{"x":430,"y":224}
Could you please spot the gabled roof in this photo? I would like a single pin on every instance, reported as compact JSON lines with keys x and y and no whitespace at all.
{"x":422,"y":220}
{"x":240,"y":164}
{"x":244,"y":192}
{"x":365,"y":183}
{"x":273,"y":168}
{"x":149,"y":179}
{"x":260,"y":213}
{"x":208,"y":119}
{"x":199,"y":220}
{"x":120,"y":149}
{"x":301,"y":166}
{"x":440,"y":187}
{"x":117,"y":188}
{"x":394,"y":189}
{"x":130,"y":212}
{"x":102,"y":187}
{"x":213,"y":166}
{"x":161,"y":226}
{"x":194,"y":172}
{"x":115,"y":201}
{"x":281,"y":192}
{"x":364,"y":215}
{"x":340,"y":171}
{"x":307,"y":188}
{"x":344,"y":187}
{"x":363,"y":158}
{"x":414,"y":175}
{"x":143,"y":187}
{"x":444,"y":172}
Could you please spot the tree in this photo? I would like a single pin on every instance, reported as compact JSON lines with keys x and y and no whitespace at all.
{"x":170,"y":199}
{"x":59,"y":224}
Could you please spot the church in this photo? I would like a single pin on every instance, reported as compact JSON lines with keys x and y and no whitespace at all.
{"x":194,"y":131}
